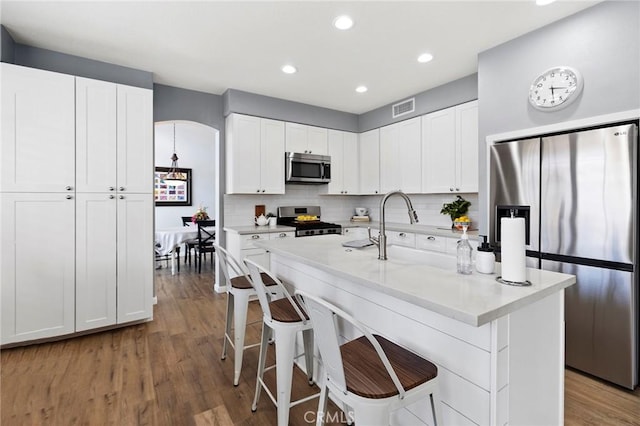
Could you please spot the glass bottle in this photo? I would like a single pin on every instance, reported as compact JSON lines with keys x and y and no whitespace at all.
{"x":464,"y":253}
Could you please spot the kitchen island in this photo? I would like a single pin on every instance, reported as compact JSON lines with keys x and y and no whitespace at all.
{"x":499,"y":349}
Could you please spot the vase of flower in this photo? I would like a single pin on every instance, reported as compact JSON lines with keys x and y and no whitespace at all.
{"x":201,"y":214}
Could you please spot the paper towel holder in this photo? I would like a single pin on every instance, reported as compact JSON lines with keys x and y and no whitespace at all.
{"x":524,"y":283}
{"x":518,"y":211}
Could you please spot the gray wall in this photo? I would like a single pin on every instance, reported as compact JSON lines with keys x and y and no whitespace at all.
{"x":602,"y":42}
{"x":453,"y":93}
{"x":7,"y":46}
{"x":279,"y":109}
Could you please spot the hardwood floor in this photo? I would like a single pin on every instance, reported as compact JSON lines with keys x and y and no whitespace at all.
{"x":169,"y":372}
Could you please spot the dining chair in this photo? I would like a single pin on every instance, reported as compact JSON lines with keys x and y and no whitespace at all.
{"x":206,"y":240}
{"x":282,"y":319}
{"x":189,"y":244}
{"x":239,"y":292}
{"x":370,"y":374}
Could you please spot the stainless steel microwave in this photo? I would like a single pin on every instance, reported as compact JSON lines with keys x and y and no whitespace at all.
{"x":307,"y":168}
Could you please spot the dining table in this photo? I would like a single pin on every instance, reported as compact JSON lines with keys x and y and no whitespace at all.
{"x":167,"y":239}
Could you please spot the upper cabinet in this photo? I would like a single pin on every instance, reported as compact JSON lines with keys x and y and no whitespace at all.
{"x":255,"y":155}
{"x":400,"y":156}
{"x":306,"y":139}
{"x":369,"y":160}
{"x":450,"y":150}
{"x":343,"y":149}
{"x":113,"y":130}
{"x":38,"y":131}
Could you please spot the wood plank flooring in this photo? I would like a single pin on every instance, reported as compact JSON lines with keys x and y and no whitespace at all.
{"x":169,"y":372}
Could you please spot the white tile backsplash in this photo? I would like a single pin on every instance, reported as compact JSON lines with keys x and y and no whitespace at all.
{"x":239,"y":209}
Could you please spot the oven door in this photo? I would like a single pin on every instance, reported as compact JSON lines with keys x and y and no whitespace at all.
{"x":307,"y":168}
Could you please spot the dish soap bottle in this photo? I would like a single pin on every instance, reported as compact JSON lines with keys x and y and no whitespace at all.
{"x":464,"y":253}
{"x":485,"y":259}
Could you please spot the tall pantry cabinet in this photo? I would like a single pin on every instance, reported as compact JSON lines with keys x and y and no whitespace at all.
{"x":77,"y":207}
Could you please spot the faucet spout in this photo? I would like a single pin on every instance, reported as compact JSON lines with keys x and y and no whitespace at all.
{"x":382,"y":238}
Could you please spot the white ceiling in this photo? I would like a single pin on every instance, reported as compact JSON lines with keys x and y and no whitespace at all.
{"x":211,"y":46}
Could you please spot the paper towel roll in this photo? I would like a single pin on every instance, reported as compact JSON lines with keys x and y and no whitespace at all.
{"x":513,"y":249}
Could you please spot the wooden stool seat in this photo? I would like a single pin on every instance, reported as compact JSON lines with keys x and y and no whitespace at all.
{"x":365,"y":373}
{"x":241,"y":282}
{"x":283,"y":311}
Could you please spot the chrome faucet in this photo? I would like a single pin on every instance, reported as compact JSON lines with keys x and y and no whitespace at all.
{"x":381,"y":241}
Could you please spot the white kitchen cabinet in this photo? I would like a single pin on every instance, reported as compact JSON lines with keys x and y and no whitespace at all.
{"x":343,"y":149}
{"x":242,"y":246}
{"x":37,"y":153}
{"x":369,"y":155}
{"x":450,"y":149}
{"x":99,"y":227}
{"x":400,"y":157}
{"x":37,"y":265}
{"x":255,"y":155}
{"x":399,"y":238}
{"x":306,"y":139}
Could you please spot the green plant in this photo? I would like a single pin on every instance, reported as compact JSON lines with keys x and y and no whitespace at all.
{"x":456,"y":208}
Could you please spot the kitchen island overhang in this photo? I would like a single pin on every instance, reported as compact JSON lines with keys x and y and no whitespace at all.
{"x":499,"y":349}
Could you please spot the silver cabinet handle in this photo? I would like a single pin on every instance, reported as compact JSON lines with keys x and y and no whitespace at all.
{"x":69,"y":197}
{"x":282,"y":235}
{"x":68,"y":188}
{"x":376,"y":191}
{"x":457,"y":189}
{"x":263,"y":190}
{"x":111,"y":197}
{"x":255,"y":237}
{"x":121,"y":197}
{"x":121,"y":188}
{"x":111,"y":188}
{"x":431,"y":238}
{"x":402,"y":234}
{"x":451,"y":189}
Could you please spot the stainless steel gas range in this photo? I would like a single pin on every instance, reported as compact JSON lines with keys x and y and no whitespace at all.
{"x":306,"y":220}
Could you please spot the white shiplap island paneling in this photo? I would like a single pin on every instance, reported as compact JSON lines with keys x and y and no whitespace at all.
{"x":499,"y":349}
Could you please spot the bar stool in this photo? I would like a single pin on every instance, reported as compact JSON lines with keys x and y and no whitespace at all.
{"x":370,"y":374}
{"x":282,"y":320}
{"x":239,"y":292}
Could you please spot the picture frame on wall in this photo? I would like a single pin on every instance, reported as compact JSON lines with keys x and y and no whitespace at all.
{"x":171,"y":193}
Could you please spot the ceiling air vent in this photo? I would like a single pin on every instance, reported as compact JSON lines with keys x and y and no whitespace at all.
{"x":404,"y":107}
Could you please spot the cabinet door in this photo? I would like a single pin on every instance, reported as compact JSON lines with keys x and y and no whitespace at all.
{"x":467,"y":147}
{"x":271,"y":157}
{"x":95,"y":260}
{"x":438,"y":151}
{"x":243,"y":154}
{"x":296,"y":137}
{"x":37,"y":265}
{"x":135,"y":257}
{"x":410,"y":155}
{"x":95,"y":135}
{"x":37,"y":151}
{"x":317,"y":140}
{"x":336,"y":151}
{"x":369,"y":155}
{"x":135,"y":139}
{"x":390,"y":173}
{"x":351,"y":171}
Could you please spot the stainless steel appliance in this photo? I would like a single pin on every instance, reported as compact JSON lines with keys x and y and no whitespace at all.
{"x":306,"y":220}
{"x":307,"y":168}
{"x":578,"y":194}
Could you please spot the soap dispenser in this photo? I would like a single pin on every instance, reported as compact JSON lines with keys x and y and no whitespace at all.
{"x":485,"y":259}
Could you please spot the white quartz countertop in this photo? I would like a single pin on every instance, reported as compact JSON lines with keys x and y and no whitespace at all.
{"x":255,"y":229}
{"x":472,"y":299}
{"x":441,"y":231}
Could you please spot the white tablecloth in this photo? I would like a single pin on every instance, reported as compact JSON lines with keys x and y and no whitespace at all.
{"x":170,"y":238}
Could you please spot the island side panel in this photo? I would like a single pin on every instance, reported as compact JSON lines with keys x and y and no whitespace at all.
{"x":536,"y":363}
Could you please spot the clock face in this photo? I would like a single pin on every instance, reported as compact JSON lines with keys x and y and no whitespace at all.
{"x":555,"y":88}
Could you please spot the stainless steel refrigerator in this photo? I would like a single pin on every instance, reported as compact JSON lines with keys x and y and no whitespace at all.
{"x":578,"y":194}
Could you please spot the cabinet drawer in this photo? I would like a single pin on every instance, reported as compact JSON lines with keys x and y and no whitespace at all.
{"x":405,"y":239}
{"x":276,"y":235}
{"x":247,"y":241}
{"x":431,"y":242}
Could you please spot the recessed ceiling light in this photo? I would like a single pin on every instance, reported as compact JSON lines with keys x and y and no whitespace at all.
{"x":544,"y":2}
{"x":361,"y":89}
{"x":425,"y":57}
{"x":289,"y":69}
{"x":343,"y":22}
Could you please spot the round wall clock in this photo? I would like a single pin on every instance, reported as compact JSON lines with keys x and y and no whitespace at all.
{"x":555,"y":88}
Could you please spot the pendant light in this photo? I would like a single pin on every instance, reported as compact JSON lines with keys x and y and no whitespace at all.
{"x":174,"y":177}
